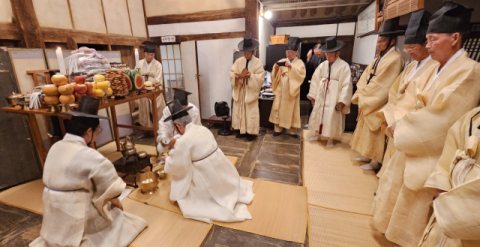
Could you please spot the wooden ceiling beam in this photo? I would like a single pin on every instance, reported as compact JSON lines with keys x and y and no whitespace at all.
{"x":72,"y":37}
{"x":213,"y":15}
{"x":208,"y":36}
{"x":10,"y":31}
{"x":314,"y":4}
{"x":310,"y":22}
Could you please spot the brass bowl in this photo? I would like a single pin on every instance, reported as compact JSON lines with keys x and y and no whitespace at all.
{"x":148,"y":182}
{"x":142,"y":155}
{"x":161,"y":174}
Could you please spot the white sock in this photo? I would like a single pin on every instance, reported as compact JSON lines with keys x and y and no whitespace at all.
{"x":371,"y":166}
{"x":306,"y":125}
{"x":312,"y":139}
{"x":330,"y":143}
{"x":363,"y":159}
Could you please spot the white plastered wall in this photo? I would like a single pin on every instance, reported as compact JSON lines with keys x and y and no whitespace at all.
{"x":344,"y":29}
{"x":6,"y":12}
{"x":137,"y":18}
{"x":53,"y":13}
{"x":215,"y":59}
{"x":116,"y":15}
{"x":88,"y":15}
{"x":265,"y":29}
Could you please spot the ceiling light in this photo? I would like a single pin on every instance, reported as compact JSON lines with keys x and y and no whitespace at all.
{"x":268,"y":15}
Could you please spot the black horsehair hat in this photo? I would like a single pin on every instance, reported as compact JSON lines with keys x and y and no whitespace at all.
{"x":150,"y":46}
{"x":177,"y":111}
{"x":389,"y":28}
{"x":181,"y":95}
{"x":248,"y":44}
{"x":417,"y":27}
{"x":88,"y":107}
{"x":293,"y":43}
{"x":332,"y":45}
{"x":452,"y":17}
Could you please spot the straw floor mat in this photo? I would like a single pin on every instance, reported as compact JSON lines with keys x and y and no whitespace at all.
{"x":165,"y":228}
{"x":341,"y":229}
{"x":26,"y":196}
{"x":334,"y":179}
{"x":278,"y":210}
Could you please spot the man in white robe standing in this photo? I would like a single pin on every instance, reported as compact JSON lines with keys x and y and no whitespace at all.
{"x":166,"y":129}
{"x":330,"y":93}
{"x":153,"y":69}
{"x":204,"y":182}
{"x":80,"y":199}
{"x":246,"y":76}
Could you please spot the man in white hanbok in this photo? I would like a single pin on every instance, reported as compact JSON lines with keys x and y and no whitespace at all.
{"x":166,"y":129}
{"x":80,"y":199}
{"x":154,"y":71}
{"x":331,"y":94}
{"x":204,"y":182}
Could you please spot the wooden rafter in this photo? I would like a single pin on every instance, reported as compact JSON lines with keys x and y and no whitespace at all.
{"x":213,"y":15}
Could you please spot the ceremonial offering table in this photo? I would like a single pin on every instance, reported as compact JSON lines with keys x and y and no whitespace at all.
{"x":35,"y":130}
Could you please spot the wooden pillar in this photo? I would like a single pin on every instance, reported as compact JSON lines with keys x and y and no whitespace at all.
{"x":28,"y":23}
{"x":71,"y":43}
{"x":251,"y":18}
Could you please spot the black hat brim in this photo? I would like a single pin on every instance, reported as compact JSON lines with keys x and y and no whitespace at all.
{"x":340,"y":45}
{"x":390,"y":33}
{"x":176,"y":113}
{"x":254,"y":46}
{"x":81,"y":114}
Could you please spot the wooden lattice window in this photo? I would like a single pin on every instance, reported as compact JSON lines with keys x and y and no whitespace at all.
{"x":172,"y":68}
{"x":472,"y":46}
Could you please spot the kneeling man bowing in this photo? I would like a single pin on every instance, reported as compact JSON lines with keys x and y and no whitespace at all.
{"x":204,"y":182}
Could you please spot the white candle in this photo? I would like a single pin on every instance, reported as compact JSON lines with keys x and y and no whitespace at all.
{"x":136,"y":58}
{"x":61,"y":63}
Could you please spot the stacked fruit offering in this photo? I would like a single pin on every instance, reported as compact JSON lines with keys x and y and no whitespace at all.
{"x":118,"y":79}
{"x":100,"y":87}
{"x":81,"y":89}
{"x":135,"y":80}
{"x":52,"y":91}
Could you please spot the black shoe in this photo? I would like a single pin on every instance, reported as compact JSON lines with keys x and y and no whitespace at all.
{"x":294,"y":136}
{"x":240,"y":135}
{"x":251,"y":137}
{"x":276,"y":133}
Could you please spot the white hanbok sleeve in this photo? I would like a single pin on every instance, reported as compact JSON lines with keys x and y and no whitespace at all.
{"x":159,"y":74}
{"x":345,"y":96}
{"x":165,"y":129}
{"x":314,"y":84}
{"x":106,"y":181}
{"x":195,"y":114}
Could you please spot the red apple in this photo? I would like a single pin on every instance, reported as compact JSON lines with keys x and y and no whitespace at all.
{"x":79,"y":79}
{"x":78,"y":96}
{"x":89,"y":87}
{"x":82,"y":88}
{"x":91,"y":93}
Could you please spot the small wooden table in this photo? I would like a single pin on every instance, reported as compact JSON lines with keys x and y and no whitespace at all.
{"x":37,"y":138}
{"x":132,"y":168}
